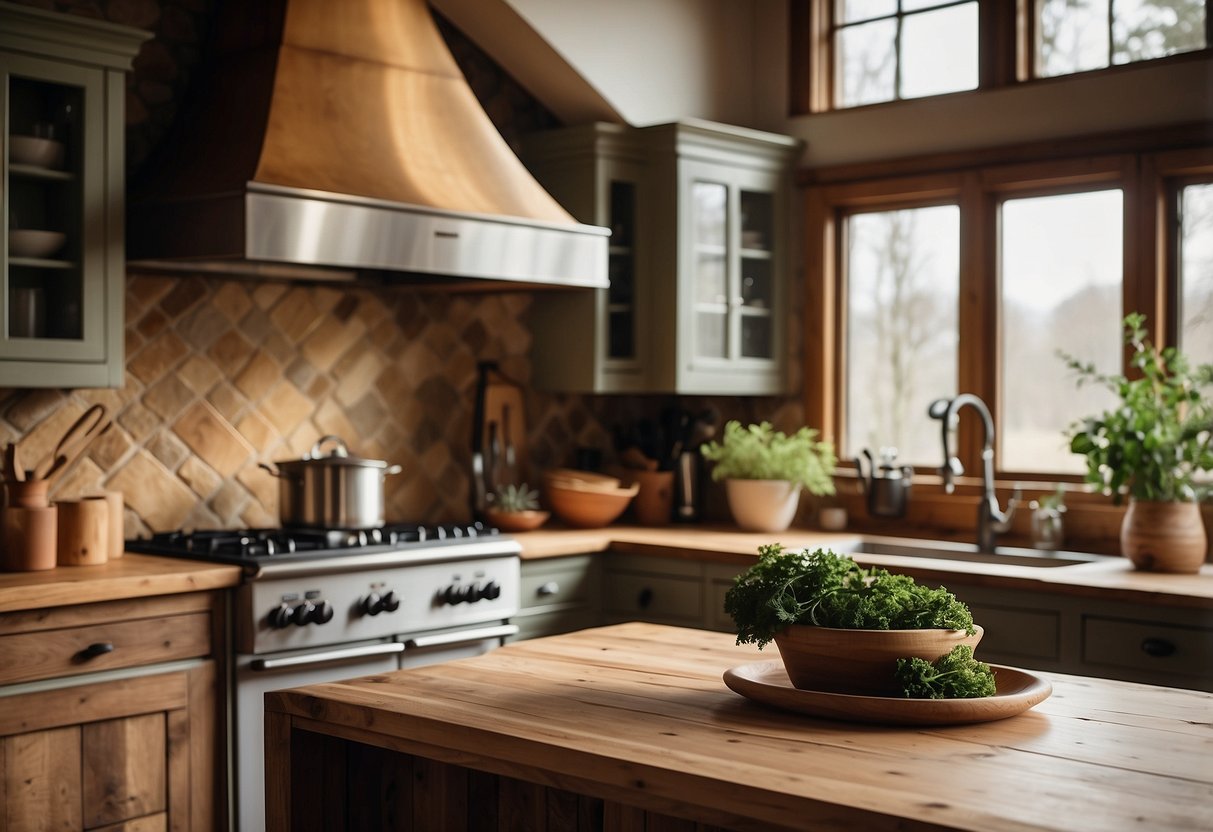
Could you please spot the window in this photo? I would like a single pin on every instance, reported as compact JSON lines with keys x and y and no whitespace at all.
{"x":1061,"y":288}
{"x":890,"y":49}
{"x":902,"y":283}
{"x":1078,"y":35}
{"x":1196,"y":271}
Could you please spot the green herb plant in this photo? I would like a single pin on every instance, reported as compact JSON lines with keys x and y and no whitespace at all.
{"x":956,"y":675}
{"x":516,"y":498}
{"x":825,"y":589}
{"x":759,"y":452}
{"x":1160,"y":436}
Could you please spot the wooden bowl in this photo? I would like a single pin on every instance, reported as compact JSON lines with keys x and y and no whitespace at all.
{"x":517,"y":521}
{"x":581,"y":480}
{"x":588,"y":508}
{"x":859,"y":661}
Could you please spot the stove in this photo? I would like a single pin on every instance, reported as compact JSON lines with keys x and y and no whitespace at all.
{"x":322,"y":605}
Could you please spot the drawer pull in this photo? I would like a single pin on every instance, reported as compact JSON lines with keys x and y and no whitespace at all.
{"x":550,"y":588}
{"x":95,"y":650}
{"x":1159,"y":648}
{"x":644,"y":598}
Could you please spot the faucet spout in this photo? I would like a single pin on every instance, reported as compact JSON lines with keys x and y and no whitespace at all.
{"x":992,"y":520}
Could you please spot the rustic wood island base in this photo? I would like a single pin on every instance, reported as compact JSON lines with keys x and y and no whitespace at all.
{"x":631,"y":727}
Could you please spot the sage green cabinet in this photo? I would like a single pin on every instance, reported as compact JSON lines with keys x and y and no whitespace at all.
{"x":558,"y":595}
{"x":699,"y":216}
{"x":62,"y":91}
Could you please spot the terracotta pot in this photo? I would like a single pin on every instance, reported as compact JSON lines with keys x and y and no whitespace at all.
{"x":762,"y":505}
{"x":860,"y":661}
{"x":1164,"y":537}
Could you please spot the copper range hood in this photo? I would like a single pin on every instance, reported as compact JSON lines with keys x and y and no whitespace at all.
{"x":337,"y":138}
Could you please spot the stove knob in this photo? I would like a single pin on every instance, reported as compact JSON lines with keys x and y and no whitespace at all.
{"x":491,"y":591}
{"x":372,"y":604}
{"x":390,"y":602}
{"x":280,"y":617}
{"x":323,"y":613}
{"x":454,"y":595}
{"x":303,"y":613}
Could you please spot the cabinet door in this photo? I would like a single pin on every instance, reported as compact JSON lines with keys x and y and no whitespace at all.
{"x":104,"y":754}
{"x":730,"y":330}
{"x":53,"y":303}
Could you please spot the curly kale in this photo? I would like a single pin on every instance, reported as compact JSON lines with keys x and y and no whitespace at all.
{"x":830,"y":590}
{"x":955,"y":676}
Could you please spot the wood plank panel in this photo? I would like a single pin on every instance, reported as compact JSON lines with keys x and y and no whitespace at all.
{"x":205,"y":788}
{"x":42,"y":781}
{"x":84,"y":703}
{"x":124,"y":762}
{"x":522,"y":806}
{"x":439,"y":796}
{"x":279,"y":777}
{"x":179,"y":773}
{"x":81,"y":615}
{"x":379,"y":788}
{"x":318,"y":792}
{"x":147,"y":823}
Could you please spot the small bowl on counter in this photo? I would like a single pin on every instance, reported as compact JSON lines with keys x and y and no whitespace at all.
{"x":585,"y":500}
{"x":517,"y":521}
{"x":35,"y":151}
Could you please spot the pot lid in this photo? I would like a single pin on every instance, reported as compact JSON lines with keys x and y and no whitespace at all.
{"x":337,"y":454}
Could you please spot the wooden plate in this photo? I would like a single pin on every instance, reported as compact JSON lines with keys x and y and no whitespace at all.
{"x":767,"y":682}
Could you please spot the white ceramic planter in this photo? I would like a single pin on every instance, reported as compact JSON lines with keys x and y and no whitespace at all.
{"x":762,"y":505}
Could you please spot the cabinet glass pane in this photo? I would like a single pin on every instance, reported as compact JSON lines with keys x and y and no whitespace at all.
{"x":1196,"y":271}
{"x":710,"y":203}
{"x":621,"y":268}
{"x":757,"y":220}
{"x":711,"y":335}
{"x":711,"y":281}
{"x":756,"y":336}
{"x":756,"y":285}
{"x":44,"y":292}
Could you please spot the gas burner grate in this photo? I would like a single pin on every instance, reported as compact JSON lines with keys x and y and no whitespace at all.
{"x":262,"y":545}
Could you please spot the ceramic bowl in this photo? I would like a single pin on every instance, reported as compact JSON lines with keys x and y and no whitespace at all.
{"x":589,"y":508}
{"x":26,"y":242}
{"x":31,"y":150}
{"x":859,"y":661}
{"x":517,"y":521}
{"x":583,"y":480}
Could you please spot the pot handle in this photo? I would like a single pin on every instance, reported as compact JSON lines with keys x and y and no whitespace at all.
{"x":392,"y":469}
{"x":339,"y":449}
{"x":272,"y":469}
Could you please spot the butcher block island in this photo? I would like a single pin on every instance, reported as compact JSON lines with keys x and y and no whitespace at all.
{"x":631,"y":727}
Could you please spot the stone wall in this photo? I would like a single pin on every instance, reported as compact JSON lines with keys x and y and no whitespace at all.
{"x":225,"y":374}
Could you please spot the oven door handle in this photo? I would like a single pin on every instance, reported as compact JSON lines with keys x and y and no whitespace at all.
{"x":461,"y":637}
{"x":327,"y":656}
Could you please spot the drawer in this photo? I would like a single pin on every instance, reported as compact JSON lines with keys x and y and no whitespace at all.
{"x":1148,"y":646}
{"x":66,"y":652}
{"x":655,"y":597}
{"x":567,"y":581}
{"x":1015,"y":633}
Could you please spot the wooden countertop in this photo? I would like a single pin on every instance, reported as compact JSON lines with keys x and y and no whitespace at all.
{"x":639,"y":713}
{"x":1109,"y":577}
{"x":131,"y":576}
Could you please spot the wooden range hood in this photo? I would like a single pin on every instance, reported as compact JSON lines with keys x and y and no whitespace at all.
{"x":334,"y":139}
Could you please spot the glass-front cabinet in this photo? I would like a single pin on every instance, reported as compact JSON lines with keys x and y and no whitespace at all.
{"x":698,"y":214}
{"x":62,"y":90}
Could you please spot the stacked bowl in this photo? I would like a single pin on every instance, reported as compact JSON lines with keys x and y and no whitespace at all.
{"x":584,"y":499}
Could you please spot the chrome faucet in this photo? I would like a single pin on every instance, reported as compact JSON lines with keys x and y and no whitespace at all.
{"x":991,"y":520}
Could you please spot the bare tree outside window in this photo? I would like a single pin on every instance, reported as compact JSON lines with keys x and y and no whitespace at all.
{"x":1079,"y":35}
{"x":1196,"y":272}
{"x":903,"y":275}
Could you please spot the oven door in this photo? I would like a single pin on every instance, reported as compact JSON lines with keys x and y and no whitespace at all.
{"x":256,"y":675}
{"x":444,"y":645}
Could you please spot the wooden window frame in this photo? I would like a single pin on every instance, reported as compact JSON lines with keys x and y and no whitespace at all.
{"x":1005,"y":42}
{"x":1149,"y":175}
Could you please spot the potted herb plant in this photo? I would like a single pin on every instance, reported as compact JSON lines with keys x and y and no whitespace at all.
{"x":841,"y":628}
{"x":1152,"y":446}
{"x":765,"y":469}
{"x":515,"y":508}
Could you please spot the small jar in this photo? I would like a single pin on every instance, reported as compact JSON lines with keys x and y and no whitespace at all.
{"x":1048,"y":531}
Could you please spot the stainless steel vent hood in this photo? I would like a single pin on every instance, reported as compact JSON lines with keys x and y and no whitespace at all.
{"x":332,"y":139}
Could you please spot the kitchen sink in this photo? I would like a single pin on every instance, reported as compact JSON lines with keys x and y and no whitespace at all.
{"x":947,"y":550}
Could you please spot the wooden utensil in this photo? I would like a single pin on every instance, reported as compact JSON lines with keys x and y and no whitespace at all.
{"x":88,"y":427}
{"x":12,"y":465}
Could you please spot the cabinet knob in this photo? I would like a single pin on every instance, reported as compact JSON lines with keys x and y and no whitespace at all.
{"x":550,"y":588}
{"x":1159,"y":648}
{"x":644,"y":598}
{"x":95,"y":650}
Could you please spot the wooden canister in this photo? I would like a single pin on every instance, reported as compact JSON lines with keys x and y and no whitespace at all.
{"x":83,"y":532}
{"x":28,"y":493}
{"x":117,"y":524}
{"x":29,"y":538}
